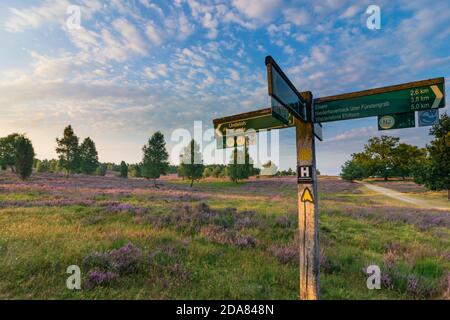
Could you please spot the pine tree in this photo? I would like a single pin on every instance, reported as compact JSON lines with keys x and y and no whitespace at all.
{"x":123,"y":170}
{"x":88,"y":156}
{"x":154,"y":162}
{"x":191,"y":164}
{"x":68,"y":151}
{"x":239,"y":167}
{"x":24,"y":157}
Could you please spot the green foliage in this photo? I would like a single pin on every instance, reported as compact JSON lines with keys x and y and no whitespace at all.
{"x":434,"y":170}
{"x":207,"y":172}
{"x":383,"y":157}
{"x":352,"y":170}
{"x":154,"y":163}
{"x":405,"y":158}
{"x":68,"y":151}
{"x":380,"y":152}
{"x":172,"y":169}
{"x":88,"y":156}
{"x":7,"y":151}
{"x":240,"y":167}
{"x":101,"y":170}
{"x":43,"y":166}
{"x":191,"y":163}
{"x":24,"y":156}
{"x":135,"y":171}
{"x":214,"y":171}
{"x":123,"y":170}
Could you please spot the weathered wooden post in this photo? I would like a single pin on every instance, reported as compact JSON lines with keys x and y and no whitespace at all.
{"x":307,"y":206}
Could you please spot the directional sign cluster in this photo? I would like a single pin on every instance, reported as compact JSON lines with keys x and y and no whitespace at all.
{"x":395,"y":106}
{"x":391,"y":101}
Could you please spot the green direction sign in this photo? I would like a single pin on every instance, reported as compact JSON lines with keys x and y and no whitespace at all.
{"x":229,"y":131}
{"x":413,"y":96}
{"x":280,"y":112}
{"x":397,"y":121}
{"x":283,"y":91}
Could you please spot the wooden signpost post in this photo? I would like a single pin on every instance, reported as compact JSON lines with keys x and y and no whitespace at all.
{"x":308,"y":211}
{"x":395,"y":107}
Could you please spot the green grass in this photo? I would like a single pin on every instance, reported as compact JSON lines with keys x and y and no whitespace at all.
{"x":37,"y":244}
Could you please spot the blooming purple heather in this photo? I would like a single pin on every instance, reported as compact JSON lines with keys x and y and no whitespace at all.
{"x":100,"y":278}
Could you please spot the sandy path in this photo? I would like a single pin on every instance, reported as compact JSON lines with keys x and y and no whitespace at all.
{"x":401,"y":196}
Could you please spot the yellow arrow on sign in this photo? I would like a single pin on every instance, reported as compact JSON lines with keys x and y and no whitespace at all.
{"x":307,"y":196}
{"x":438,"y":95}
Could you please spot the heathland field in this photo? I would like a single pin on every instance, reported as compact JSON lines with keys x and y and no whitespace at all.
{"x":217,"y":240}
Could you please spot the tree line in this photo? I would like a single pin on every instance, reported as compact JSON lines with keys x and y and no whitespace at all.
{"x":17,"y":153}
{"x":386,"y":157}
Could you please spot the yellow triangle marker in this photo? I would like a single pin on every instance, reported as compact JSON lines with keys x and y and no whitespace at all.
{"x":307,"y":196}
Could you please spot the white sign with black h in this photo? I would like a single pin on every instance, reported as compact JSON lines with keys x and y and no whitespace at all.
{"x":304,"y":174}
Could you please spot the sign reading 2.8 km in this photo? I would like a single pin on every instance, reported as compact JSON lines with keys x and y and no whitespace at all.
{"x":414,"y":96}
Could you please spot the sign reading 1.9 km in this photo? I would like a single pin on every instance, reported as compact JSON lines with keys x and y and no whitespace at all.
{"x":413,"y":96}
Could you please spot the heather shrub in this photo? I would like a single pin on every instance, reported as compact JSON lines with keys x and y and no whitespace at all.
{"x":419,"y":287}
{"x":283,"y":222}
{"x":122,"y":261}
{"x":286,"y":254}
{"x":397,"y":277}
{"x":126,"y":260}
{"x":97,"y":278}
{"x":221,"y":235}
{"x":244,"y":241}
{"x":98,"y":260}
{"x":190,"y":219}
{"x":445,"y":285}
{"x":178,"y":271}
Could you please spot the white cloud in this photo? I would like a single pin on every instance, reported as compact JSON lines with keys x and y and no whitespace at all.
{"x":162,"y":70}
{"x":210,"y":24}
{"x":234,"y":74}
{"x":154,"y":33}
{"x":350,"y":12}
{"x":354,"y":133}
{"x":263,"y":10}
{"x":280,"y":30}
{"x":297,"y":16}
{"x":48,"y":12}
{"x":300,"y":37}
{"x":131,"y":38}
{"x":149,"y":5}
{"x":150,"y":73}
{"x":288,"y":50}
{"x":34,"y":17}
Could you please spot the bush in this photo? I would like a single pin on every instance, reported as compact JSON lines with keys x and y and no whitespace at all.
{"x":43,"y":166}
{"x":101,"y":170}
{"x":123,"y":170}
{"x":24,"y":156}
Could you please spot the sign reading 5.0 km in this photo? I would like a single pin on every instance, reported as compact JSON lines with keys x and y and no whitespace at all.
{"x":413,"y":96}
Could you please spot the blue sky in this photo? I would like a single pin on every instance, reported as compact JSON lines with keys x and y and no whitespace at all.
{"x":135,"y":67}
